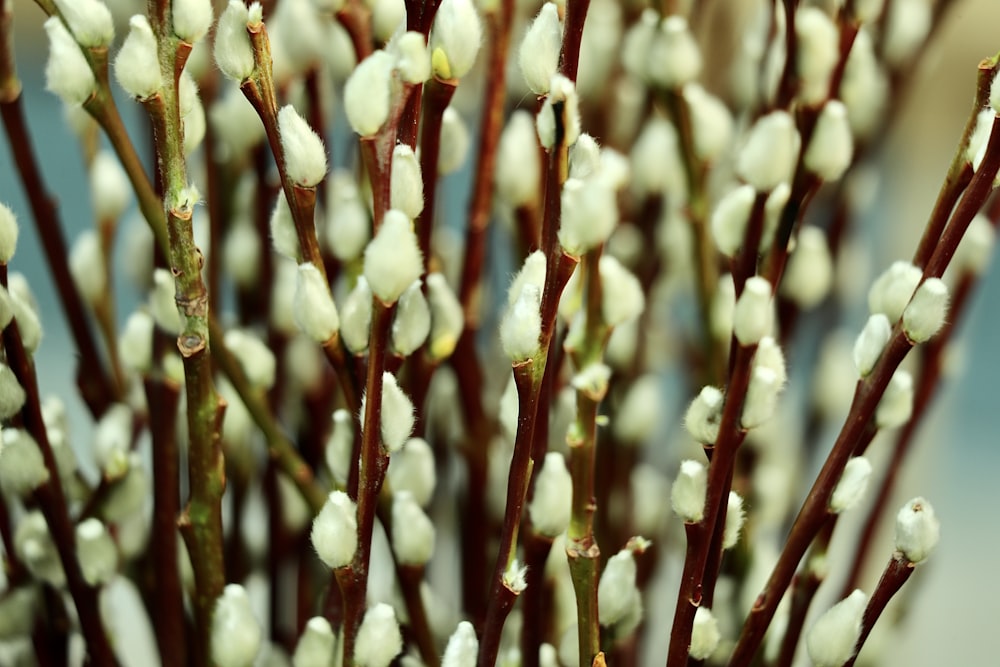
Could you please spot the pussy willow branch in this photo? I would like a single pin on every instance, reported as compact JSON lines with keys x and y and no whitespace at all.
{"x":437,"y":96}
{"x":51,"y":500}
{"x":201,"y":519}
{"x":896,"y":573}
{"x":162,"y":397}
{"x":869,"y":392}
{"x":97,"y":388}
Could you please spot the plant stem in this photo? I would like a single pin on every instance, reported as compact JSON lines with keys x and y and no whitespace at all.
{"x":280,"y":448}
{"x":896,"y":573}
{"x":410,"y":579}
{"x":201,"y":520}
{"x":373,"y":464}
{"x":813,"y":513}
{"x":163,"y":396}
{"x":51,"y":500}
{"x":97,"y":388}
{"x":437,"y":96}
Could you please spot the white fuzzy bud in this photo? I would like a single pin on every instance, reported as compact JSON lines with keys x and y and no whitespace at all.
{"x":623,"y":298}
{"x":831,"y":640}
{"x":412,"y":471}
{"x":809,"y":273}
{"x":255,"y":357}
{"x":162,"y":305}
{"x":589,"y":215}
{"x":316,"y":645}
{"x":852,"y":485}
{"x":368,"y":93}
{"x":771,"y":150}
{"x":455,"y":142}
{"x":735,"y":517}
{"x":302,"y":149}
{"x":773,"y":210}
{"x":976,"y":247}
{"x":414,"y":63}
{"x":463,"y":647}
{"x":538,"y":56}
{"x":387,"y":17}
{"x":518,"y":167}
{"x":617,"y":594}
{"x":818,"y":52}
{"x":334,"y":532}
{"x":927,"y":310}
{"x":552,"y":503}
{"x":896,"y":405}
{"x":412,"y":321}
{"x":729,"y":219}
{"x":6,"y":308}
{"x":638,"y":414}
{"x":137,"y":66}
{"x":412,"y":531}
{"x":191,"y":19}
{"x":113,"y":441}
{"x":705,"y":635}
{"x":447,"y":317}
{"x":584,"y":157}
{"x":521,"y":327}
{"x":233,"y":51}
{"x":315,"y":313}
{"x":90,"y":21}
{"x":356,"y":317}
{"x":674,"y":56}
{"x":770,"y":356}
{"x":562,"y":92}
{"x":110,"y":190}
{"x":236,"y":634}
{"x":832,"y":146}
{"x":12,"y":395}
{"x":397,"y":414}
{"x":8,"y":234}
{"x":870,"y":343}
{"x":866,"y":11}
{"x":135,"y":344}
{"x":647,"y":482}
{"x":637,"y":43}
{"x":96,"y":552}
{"x":688,"y":492}
{"x":532,"y":272}
{"x":762,"y":397}
{"x":393,"y":259}
{"x":24,"y":308}
{"x":704,"y":414}
{"x":917,"y":530}
{"x":514,"y":577}
{"x":87,"y":266}
{"x":337,"y":452}
{"x":865,"y":87}
{"x":67,"y":72}
{"x":378,"y":640}
{"x":34,"y":547}
{"x":455,"y":39}
{"x":407,"y":182}
{"x":753,"y":315}
{"x":907,"y":24}
{"x":348,"y":227}
{"x":22,"y":468}
{"x":130,"y":494}
{"x":711,"y":123}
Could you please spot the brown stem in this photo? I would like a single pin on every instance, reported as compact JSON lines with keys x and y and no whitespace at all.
{"x":437,"y":96}
{"x":96,"y":387}
{"x":895,"y":575}
{"x":536,"y":598}
{"x":814,"y":510}
{"x":163,"y":396}
{"x":803,"y":591}
{"x":373,"y":464}
{"x":410,"y":579}
{"x":51,"y":500}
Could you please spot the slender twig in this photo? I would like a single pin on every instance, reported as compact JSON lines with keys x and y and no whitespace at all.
{"x":97,"y":388}
{"x":437,"y":96}
{"x":51,"y":500}
{"x":896,"y":573}
{"x":162,"y":397}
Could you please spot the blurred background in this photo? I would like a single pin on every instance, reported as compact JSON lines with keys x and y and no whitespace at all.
{"x":956,"y":595}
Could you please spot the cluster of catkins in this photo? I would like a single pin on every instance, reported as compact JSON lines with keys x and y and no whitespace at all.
{"x":672,"y":257}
